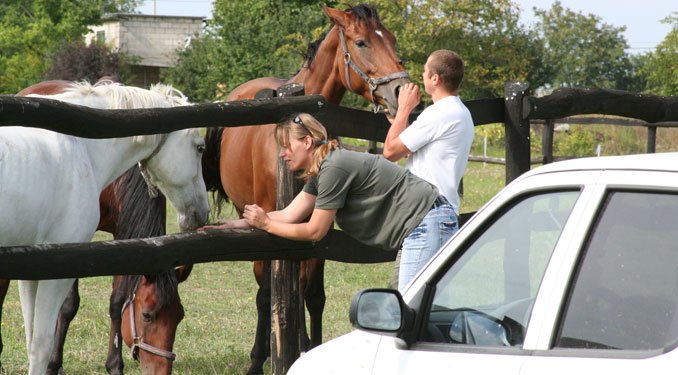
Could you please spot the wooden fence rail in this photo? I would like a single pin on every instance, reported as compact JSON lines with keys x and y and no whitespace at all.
{"x":156,"y":254}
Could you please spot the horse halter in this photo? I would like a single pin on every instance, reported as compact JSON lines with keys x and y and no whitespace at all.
{"x":137,"y":341}
{"x":152,"y":189}
{"x":372,"y":83}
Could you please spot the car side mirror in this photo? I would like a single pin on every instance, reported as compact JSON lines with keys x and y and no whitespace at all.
{"x":382,"y":311}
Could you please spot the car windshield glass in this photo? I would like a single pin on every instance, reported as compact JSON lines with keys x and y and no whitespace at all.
{"x":486,"y":297}
{"x":626,"y":290}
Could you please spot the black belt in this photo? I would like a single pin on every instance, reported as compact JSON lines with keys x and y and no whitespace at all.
{"x":440,"y":200}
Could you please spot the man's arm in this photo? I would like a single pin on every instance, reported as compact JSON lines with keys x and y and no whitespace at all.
{"x":408,"y":99}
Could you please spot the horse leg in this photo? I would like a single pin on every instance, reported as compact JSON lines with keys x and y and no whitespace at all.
{"x":40,"y":303}
{"x":262,"y":349}
{"x":114,"y":362}
{"x":314,"y":295}
{"x":4,"y":285}
{"x":66,"y":314}
{"x":304,"y":340}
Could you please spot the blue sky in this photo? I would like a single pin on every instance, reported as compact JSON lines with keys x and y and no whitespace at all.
{"x":641,"y":18}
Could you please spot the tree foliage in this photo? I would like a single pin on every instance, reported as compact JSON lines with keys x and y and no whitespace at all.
{"x":582,"y":51}
{"x":486,"y":34}
{"x":247,"y":40}
{"x":32,"y":30}
{"x":78,"y":62}
{"x":661,"y":69}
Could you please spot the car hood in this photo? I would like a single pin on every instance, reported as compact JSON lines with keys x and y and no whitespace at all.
{"x":353,"y":353}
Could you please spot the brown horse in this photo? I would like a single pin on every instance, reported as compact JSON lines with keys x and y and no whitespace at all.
{"x":359,"y":54}
{"x":127,"y":211}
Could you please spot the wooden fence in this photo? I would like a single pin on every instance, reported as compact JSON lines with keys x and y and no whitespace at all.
{"x":144,"y":256}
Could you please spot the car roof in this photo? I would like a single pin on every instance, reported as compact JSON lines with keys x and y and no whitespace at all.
{"x":667,"y":162}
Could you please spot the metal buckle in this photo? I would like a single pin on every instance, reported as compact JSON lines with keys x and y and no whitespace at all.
{"x":347,"y":57}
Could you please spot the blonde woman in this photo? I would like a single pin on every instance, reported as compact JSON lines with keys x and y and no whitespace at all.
{"x":372,"y":200}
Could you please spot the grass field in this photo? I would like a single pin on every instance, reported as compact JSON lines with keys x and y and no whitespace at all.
{"x":218,"y":331}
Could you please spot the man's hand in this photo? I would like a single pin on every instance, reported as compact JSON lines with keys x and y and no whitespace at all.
{"x":408,"y":98}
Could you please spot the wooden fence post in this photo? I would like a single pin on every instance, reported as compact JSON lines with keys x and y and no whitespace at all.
{"x":285,"y":291}
{"x":651,"y":139}
{"x":517,"y":130}
{"x":547,"y":141}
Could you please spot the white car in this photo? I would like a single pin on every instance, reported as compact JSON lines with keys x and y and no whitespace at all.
{"x":571,"y":269}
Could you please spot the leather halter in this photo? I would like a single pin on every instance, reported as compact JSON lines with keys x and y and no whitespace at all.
{"x":152,"y":189}
{"x":372,"y":83}
{"x":137,"y":341}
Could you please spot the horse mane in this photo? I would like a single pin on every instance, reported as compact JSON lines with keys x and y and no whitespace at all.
{"x":130,"y":97}
{"x":166,"y":287}
{"x":365,"y":13}
{"x":141,"y":216}
{"x":210,"y":167}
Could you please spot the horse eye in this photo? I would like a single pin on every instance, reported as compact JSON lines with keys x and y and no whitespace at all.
{"x":360,"y":43}
{"x":201,"y":148}
{"x":147,"y":317}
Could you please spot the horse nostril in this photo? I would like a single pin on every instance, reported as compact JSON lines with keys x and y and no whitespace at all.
{"x":397,"y":91}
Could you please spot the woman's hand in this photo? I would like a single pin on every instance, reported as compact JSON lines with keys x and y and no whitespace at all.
{"x":256,"y":216}
{"x":229,"y":224}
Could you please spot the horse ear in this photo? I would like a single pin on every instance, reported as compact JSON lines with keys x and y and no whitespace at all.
{"x":183,"y":272}
{"x":338,"y":17}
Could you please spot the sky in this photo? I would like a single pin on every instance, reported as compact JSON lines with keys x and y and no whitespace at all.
{"x":641,"y":18}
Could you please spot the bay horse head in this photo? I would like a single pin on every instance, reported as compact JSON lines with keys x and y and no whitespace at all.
{"x":366,"y":60}
{"x":150,"y":318}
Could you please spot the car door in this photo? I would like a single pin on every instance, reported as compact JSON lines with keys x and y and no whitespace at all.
{"x":619,"y":311}
{"x":475,"y":300}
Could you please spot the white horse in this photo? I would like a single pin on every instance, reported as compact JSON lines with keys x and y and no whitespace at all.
{"x":50,"y":185}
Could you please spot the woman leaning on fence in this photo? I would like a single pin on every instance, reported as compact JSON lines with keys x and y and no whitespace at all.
{"x":372,"y":200}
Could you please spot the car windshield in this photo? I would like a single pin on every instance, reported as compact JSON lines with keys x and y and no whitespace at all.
{"x":486,"y":297}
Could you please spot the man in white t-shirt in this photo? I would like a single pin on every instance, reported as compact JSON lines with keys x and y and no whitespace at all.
{"x":438,"y":144}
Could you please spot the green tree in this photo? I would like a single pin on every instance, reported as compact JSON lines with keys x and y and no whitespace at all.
{"x":78,"y":62}
{"x":32,"y":30}
{"x":580,"y":50}
{"x":486,"y":33}
{"x":661,"y":70}
{"x":247,"y":40}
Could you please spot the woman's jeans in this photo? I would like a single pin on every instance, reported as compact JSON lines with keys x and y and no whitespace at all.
{"x":426,"y":239}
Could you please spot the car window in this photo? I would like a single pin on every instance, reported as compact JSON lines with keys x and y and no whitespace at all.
{"x":486,"y":296}
{"x":626,"y":291}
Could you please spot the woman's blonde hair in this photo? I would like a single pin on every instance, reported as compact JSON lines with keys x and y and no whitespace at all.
{"x":304,"y":125}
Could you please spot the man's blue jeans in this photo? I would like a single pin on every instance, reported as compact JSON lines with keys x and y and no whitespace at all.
{"x":426,"y":239}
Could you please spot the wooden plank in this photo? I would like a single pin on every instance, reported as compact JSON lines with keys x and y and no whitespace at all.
{"x":580,"y":101}
{"x":79,"y":120}
{"x":155,"y":254}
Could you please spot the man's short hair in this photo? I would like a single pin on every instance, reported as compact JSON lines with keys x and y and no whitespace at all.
{"x":449,"y":66}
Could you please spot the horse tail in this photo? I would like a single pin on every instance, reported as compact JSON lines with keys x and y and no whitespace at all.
{"x":210,"y":166}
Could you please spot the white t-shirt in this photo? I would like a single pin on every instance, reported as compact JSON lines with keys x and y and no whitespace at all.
{"x":440,"y":140}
